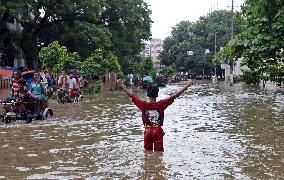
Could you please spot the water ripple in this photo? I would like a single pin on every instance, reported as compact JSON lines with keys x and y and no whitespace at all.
{"x":211,"y":132}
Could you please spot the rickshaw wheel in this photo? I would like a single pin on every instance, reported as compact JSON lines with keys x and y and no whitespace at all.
{"x":2,"y":118}
{"x":6,"y":120}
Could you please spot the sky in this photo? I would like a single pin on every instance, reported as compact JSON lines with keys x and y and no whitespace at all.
{"x":167,"y":13}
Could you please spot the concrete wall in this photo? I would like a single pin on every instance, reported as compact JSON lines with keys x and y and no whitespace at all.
{"x":272,"y":86}
{"x":238,"y":67}
{"x":19,"y":60}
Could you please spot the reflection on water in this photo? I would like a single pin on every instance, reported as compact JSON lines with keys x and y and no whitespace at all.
{"x":216,"y":132}
{"x":153,"y":166}
{"x":4,"y":93}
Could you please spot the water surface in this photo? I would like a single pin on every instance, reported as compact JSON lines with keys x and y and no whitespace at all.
{"x":211,"y":132}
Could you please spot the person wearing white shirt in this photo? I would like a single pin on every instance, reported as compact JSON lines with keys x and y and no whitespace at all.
{"x":71,"y":82}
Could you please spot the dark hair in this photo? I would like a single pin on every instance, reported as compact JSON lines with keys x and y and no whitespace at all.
{"x":22,"y":82}
{"x":17,"y":73}
{"x":36,"y":75}
{"x":152,"y":90}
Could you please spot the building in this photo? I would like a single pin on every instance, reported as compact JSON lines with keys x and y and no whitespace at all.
{"x":153,"y":50}
{"x":237,"y":70}
{"x":17,"y":60}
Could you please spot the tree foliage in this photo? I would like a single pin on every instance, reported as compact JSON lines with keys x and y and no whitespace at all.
{"x":57,"y":58}
{"x":9,"y":40}
{"x":170,"y":70}
{"x":146,"y":66}
{"x":129,"y":22}
{"x":197,"y":37}
{"x":261,"y":43}
{"x":99,"y":63}
{"x":81,"y":25}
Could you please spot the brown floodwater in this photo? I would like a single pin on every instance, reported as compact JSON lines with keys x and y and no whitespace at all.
{"x":211,"y":132}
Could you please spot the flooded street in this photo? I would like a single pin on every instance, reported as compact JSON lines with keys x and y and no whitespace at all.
{"x":211,"y":132}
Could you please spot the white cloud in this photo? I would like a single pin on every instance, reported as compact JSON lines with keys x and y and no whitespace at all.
{"x":167,"y":13}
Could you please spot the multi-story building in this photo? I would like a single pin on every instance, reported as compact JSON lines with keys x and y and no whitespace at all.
{"x":153,"y":50}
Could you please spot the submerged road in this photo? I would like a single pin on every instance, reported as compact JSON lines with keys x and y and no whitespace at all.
{"x":211,"y":132}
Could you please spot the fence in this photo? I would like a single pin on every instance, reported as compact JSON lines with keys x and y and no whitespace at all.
{"x":4,"y":83}
{"x":5,"y":77}
{"x":109,"y":80}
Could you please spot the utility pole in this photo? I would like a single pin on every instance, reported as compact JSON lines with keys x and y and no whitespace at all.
{"x":215,"y":51}
{"x":232,"y":36}
{"x":214,"y":78}
{"x":232,"y":20}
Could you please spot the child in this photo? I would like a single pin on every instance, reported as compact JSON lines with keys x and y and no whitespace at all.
{"x":153,"y":114}
{"x":14,"y":83}
{"x":24,"y":101}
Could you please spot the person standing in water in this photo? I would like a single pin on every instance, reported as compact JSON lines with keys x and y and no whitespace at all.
{"x":153,"y":113}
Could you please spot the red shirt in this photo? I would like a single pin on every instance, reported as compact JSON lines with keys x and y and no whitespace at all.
{"x":153,"y":112}
{"x":15,"y":86}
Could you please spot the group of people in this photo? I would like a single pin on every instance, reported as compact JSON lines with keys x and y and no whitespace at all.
{"x":29,"y":94}
{"x":42,"y":84}
{"x":70,"y":86}
{"x":30,"y":90}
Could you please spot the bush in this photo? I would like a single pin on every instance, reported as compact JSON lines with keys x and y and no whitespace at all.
{"x":250,"y":77}
{"x":93,"y":87}
{"x":99,"y":63}
{"x":57,"y":58}
{"x":237,"y":78}
{"x":170,"y":70}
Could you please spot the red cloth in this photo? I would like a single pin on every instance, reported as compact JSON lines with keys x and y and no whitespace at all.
{"x":153,"y":115}
{"x":74,"y":92}
{"x":153,"y":112}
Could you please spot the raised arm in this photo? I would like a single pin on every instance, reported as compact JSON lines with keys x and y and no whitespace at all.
{"x":124,"y":88}
{"x":177,"y":94}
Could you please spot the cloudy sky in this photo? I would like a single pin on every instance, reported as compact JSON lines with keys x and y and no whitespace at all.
{"x":167,"y":13}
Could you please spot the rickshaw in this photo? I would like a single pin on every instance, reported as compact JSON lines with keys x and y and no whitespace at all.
{"x":13,"y":110}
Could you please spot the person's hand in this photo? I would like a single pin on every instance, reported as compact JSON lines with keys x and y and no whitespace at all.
{"x":189,"y":83}
{"x":119,"y":82}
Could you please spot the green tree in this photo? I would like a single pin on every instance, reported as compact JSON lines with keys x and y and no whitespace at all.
{"x":146,"y":66}
{"x":170,"y":70}
{"x":112,"y":63}
{"x":99,"y":63}
{"x":9,"y":39}
{"x":129,"y":23}
{"x":85,"y":37}
{"x":197,"y":37}
{"x":131,"y":64}
{"x":56,"y":58}
{"x":261,"y":43}
{"x":39,"y":19}
{"x":81,"y":25}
